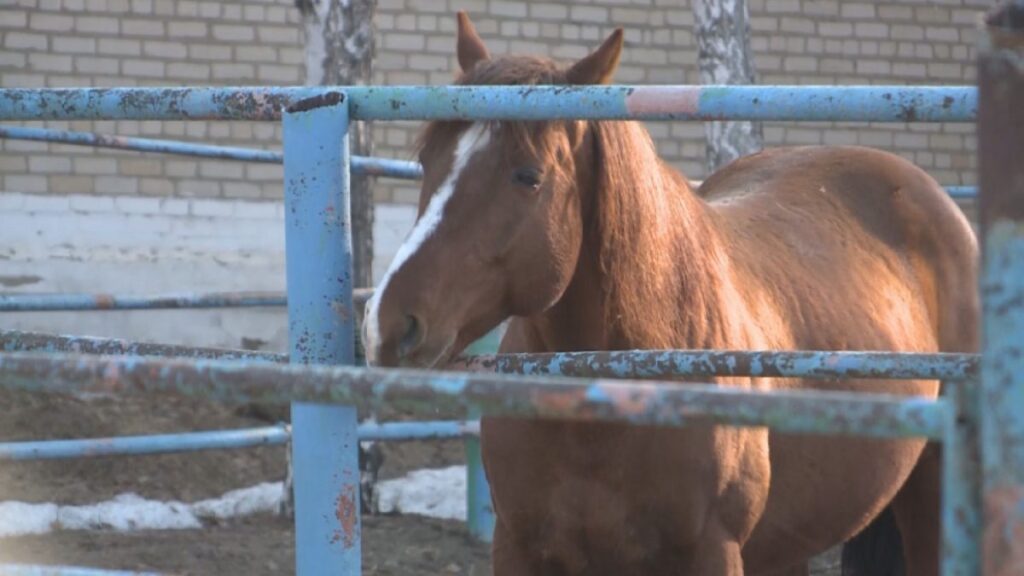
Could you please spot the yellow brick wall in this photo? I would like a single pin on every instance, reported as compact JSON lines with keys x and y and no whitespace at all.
{"x":187,"y":42}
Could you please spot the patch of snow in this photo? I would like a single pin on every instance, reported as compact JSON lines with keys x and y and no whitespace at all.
{"x":130,"y":512}
{"x":20,"y":518}
{"x":243,"y":502}
{"x":438,"y":493}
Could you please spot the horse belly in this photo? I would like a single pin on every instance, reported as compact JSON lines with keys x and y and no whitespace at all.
{"x":823,"y":491}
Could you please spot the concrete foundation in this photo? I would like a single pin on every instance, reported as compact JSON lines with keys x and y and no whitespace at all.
{"x":138,"y":245}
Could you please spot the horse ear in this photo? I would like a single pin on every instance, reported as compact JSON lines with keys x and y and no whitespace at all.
{"x":470,"y":47}
{"x":598,"y":67}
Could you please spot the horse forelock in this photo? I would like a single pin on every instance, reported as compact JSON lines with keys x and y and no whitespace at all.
{"x":539,"y":139}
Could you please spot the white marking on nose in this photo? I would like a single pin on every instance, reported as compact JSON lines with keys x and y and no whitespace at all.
{"x":474,"y":139}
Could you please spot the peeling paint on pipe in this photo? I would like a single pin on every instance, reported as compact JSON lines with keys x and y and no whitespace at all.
{"x":625,"y":364}
{"x":422,"y":393}
{"x":706,"y":363}
{"x":17,"y":341}
{"x":366,"y":165}
{"x":62,"y":302}
{"x":755,"y":103}
{"x":1001,"y":218}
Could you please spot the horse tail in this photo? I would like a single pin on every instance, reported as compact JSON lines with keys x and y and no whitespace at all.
{"x":877,"y":550}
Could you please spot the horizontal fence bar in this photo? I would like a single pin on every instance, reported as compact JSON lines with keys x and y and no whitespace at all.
{"x":423,"y":393}
{"x":620,"y":364}
{"x":18,"y":341}
{"x":681,"y":102}
{"x":220,"y":440}
{"x":62,"y":302}
{"x":113,"y":141}
{"x":401,"y":431}
{"x":366,"y":165}
{"x":149,"y":444}
{"x":706,"y":363}
{"x":55,"y":570}
{"x":387,"y":167}
{"x":962,"y":192}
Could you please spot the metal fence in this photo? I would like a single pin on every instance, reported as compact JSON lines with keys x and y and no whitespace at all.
{"x":325,"y":390}
{"x":12,"y":340}
{"x":371,"y":166}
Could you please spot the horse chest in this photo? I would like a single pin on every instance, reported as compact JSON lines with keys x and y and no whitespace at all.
{"x":578,"y":493}
{"x":589,"y":522}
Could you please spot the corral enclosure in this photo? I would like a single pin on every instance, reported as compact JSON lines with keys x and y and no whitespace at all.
{"x":90,"y":220}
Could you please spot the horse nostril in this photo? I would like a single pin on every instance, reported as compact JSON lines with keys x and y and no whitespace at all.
{"x":413,"y":336}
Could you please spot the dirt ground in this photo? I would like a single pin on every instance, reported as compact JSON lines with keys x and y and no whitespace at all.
{"x":252,"y":546}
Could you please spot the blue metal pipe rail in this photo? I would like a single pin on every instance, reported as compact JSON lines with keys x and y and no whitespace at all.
{"x":710,"y":363}
{"x":371,"y":166}
{"x":363,"y":165}
{"x":18,"y":341}
{"x":613,"y":364}
{"x":962,"y":192}
{"x":221,"y":439}
{"x":418,"y":392}
{"x":148,"y":444}
{"x":422,"y":393}
{"x":1001,"y":216}
{"x":757,"y":103}
{"x":321,"y":329}
{"x":66,"y":302}
{"x":57,"y":570}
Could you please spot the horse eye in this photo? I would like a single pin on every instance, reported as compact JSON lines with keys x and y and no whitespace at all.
{"x":529,"y":177}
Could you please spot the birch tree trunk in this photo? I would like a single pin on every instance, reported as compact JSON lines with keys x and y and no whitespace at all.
{"x":339,"y":51}
{"x":722,"y":28}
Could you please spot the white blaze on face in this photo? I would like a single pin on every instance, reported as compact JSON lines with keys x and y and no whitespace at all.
{"x":474,"y":139}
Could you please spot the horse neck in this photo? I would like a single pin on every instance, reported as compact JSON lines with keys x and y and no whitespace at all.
{"x":652,"y":269}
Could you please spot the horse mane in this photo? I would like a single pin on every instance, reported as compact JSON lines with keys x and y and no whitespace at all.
{"x":647,"y":219}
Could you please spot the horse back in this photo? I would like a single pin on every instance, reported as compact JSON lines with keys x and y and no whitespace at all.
{"x":848,"y":226}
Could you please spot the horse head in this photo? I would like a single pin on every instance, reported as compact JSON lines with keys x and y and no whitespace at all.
{"x":500,"y":222}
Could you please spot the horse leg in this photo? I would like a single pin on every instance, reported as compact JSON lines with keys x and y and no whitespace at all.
{"x":916,"y":508}
{"x":716,"y":552}
{"x":508,"y":556}
{"x":798,"y":570}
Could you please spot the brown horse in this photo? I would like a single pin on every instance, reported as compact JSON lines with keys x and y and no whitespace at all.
{"x":580,"y":234}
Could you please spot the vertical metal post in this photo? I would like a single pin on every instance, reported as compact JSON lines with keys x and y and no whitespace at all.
{"x":961,"y":481}
{"x":318,"y":247}
{"x":479,"y":509}
{"x":1001,"y":203}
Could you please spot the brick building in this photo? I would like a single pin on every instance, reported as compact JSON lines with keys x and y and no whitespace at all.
{"x":222,"y":42}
